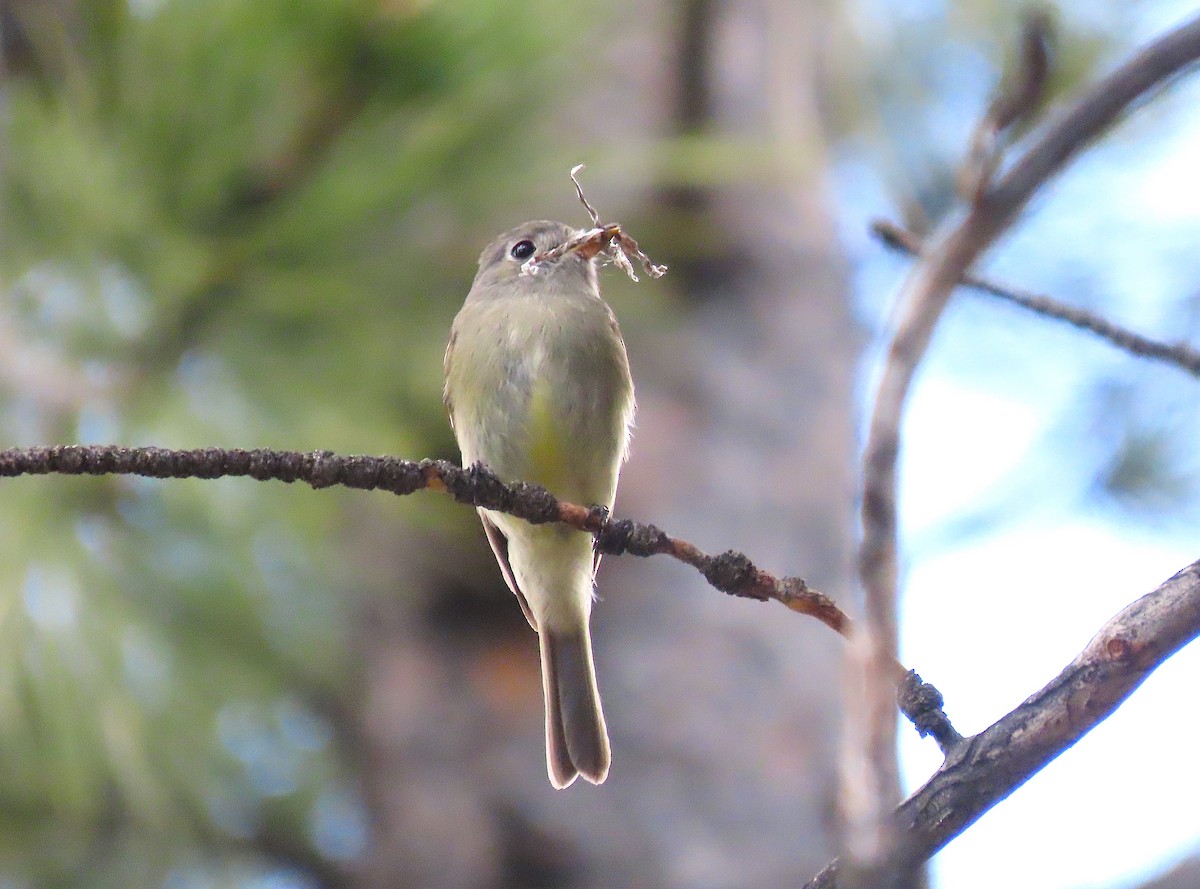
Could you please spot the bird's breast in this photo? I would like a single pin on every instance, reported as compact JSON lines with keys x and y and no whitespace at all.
{"x":556,"y":399}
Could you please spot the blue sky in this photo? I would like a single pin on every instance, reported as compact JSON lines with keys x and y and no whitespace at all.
{"x":1011,"y":559}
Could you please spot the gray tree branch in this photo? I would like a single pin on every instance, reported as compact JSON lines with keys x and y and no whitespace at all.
{"x":984,"y":769}
{"x":869,"y":764}
{"x":934,"y":278}
{"x":1180,"y":355}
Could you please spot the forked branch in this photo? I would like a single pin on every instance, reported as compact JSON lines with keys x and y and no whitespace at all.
{"x":1179,"y":355}
{"x":994,"y":204}
{"x":984,"y":769}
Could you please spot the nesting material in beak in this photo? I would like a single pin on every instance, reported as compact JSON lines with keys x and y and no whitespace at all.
{"x":608,"y":239}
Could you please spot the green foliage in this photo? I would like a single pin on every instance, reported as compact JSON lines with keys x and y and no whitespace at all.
{"x":225,"y":222}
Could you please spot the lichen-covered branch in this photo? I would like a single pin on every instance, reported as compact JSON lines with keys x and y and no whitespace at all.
{"x":731,"y":572}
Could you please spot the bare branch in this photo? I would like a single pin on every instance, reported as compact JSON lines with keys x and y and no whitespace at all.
{"x":921,"y":302}
{"x":935,"y":277}
{"x":984,"y":769}
{"x":1027,"y":87}
{"x":1095,"y":111}
{"x":1019,"y":98}
{"x":1178,"y":354}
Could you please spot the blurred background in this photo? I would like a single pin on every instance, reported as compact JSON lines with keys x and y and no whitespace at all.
{"x":249,"y":223}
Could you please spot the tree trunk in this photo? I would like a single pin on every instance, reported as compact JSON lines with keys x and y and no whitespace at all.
{"x":723,"y":713}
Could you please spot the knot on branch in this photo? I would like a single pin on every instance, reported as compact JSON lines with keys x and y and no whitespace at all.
{"x":199,"y":463}
{"x":534,"y":504}
{"x":922,"y":703}
{"x":479,"y":486}
{"x":619,"y":536}
{"x":476,"y":485}
{"x":324,"y":470}
{"x":613,"y":537}
{"x":31,"y":460}
{"x":402,"y":476}
{"x":732,"y":572}
{"x":280,"y":466}
{"x":82,"y":461}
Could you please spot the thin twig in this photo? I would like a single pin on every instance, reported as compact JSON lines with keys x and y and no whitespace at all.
{"x":984,"y":769}
{"x":1020,"y":96}
{"x":591,"y":211}
{"x":921,"y":302}
{"x":1178,"y":354}
{"x":1027,"y":86}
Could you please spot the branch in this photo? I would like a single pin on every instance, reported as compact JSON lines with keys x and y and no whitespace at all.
{"x":870,"y":763}
{"x":1016,"y":102}
{"x":933,"y":279}
{"x":982,"y":770}
{"x":1179,"y":355}
{"x":731,"y":572}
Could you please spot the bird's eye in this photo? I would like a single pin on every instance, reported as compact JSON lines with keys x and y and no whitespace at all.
{"x":522,"y":250}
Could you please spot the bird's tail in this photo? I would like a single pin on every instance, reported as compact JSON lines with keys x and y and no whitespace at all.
{"x":576,"y":736}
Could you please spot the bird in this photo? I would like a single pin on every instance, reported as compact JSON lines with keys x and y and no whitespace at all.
{"x":538,"y":389}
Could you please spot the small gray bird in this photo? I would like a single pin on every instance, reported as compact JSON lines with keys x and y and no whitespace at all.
{"x":538,"y":389}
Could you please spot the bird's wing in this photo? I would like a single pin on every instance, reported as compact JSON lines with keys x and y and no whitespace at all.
{"x":446,"y":373}
{"x":500,"y":547}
